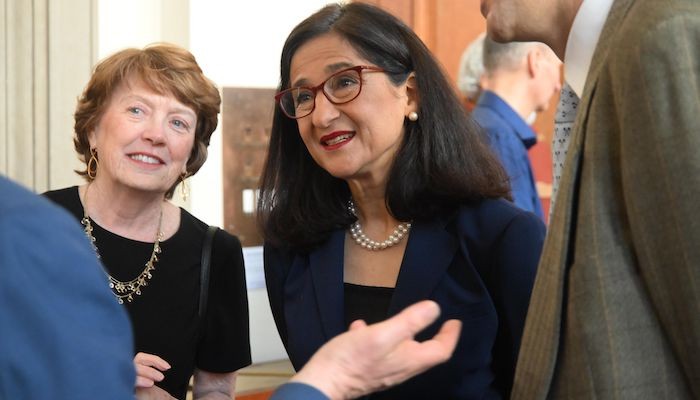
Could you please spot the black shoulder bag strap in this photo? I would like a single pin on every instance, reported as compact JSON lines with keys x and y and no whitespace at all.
{"x":205,"y":268}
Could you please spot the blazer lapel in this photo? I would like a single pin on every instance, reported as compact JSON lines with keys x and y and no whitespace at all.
{"x":429,"y":251}
{"x":541,"y":338}
{"x":326,"y":265}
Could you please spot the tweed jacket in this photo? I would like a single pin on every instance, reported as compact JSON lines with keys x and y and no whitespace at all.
{"x":615,"y":311}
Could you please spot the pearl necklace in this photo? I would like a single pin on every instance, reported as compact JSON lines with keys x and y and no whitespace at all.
{"x":362,"y":240}
{"x":126,"y":289}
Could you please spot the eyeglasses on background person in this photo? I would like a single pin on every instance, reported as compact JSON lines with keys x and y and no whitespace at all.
{"x":340,"y":88}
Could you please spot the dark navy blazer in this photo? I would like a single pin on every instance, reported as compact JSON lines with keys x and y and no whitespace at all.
{"x":478,"y":264}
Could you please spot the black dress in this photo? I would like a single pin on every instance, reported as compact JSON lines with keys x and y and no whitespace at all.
{"x":164,"y":316}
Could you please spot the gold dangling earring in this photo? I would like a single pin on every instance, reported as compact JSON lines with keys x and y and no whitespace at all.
{"x":184,"y":187}
{"x":92,"y":164}
{"x":413,"y":116}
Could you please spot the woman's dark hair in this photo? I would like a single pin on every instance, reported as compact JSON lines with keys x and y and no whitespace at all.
{"x":443,"y":161}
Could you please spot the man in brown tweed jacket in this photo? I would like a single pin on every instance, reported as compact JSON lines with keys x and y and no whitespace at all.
{"x":615,"y":311}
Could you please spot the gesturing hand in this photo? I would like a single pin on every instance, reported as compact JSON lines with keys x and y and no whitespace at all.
{"x":148,"y":369}
{"x":369,"y":358}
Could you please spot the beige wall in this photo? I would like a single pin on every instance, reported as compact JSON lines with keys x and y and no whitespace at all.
{"x":155,"y":21}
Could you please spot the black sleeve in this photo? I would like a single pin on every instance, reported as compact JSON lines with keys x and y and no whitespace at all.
{"x":225,"y":342}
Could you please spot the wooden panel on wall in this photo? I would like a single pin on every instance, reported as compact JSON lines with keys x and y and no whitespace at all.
{"x":425,"y":22}
{"x":458,"y":22}
{"x":445,"y":26}
{"x":247,"y":120}
{"x":402,"y":9}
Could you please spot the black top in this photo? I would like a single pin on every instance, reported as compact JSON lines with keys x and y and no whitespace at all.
{"x":164,"y":316}
{"x":368,"y":303}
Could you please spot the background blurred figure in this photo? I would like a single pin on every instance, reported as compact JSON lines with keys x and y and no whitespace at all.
{"x":518,"y":81}
{"x":616,"y":308}
{"x":62,"y":335}
{"x":471,"y":70}
{"x":380,"y":191}
{"x":142,"y":126}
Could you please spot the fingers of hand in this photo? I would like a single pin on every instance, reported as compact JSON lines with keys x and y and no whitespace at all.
{"x":449,"y":335}
{"x":148,"y":369}
{"x":149,"y":375}
{"x":406,"y":324}
{"x":419,"y":315}
{"x":142,"y":382}
{"x":357,"y":324}
{"x":151,"y":360}
{"x":410,"y":357}
{"x":439,"y":349}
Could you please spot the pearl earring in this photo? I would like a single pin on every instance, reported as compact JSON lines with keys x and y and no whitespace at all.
{"x":413,"y":116}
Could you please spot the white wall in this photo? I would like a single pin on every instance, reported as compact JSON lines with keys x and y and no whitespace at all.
{"x":133,"y":23}
{"x":237,"y":43}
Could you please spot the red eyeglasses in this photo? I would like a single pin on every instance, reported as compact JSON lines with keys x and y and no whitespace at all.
{"x":342,"y":87}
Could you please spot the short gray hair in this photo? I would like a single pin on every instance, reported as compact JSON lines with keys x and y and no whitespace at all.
{"x":498,"y":56}
{"x":471,"y":67}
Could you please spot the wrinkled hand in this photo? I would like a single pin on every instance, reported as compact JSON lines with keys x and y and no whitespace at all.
{"x":152,"y":393}
{"x":370,"y":358}
{"x":148,"y":369}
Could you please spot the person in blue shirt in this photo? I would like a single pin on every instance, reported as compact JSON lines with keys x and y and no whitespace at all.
{"x":518,"y":81}
{"x":62,"y":334}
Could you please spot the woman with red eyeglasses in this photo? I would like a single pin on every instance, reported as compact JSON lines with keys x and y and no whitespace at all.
{"x":380,"y":191}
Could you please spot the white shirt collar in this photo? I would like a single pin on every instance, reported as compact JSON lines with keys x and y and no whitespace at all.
{"x":583,"y":39}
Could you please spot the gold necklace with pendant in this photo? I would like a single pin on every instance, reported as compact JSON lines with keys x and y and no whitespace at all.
{"x":126,"y":289}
